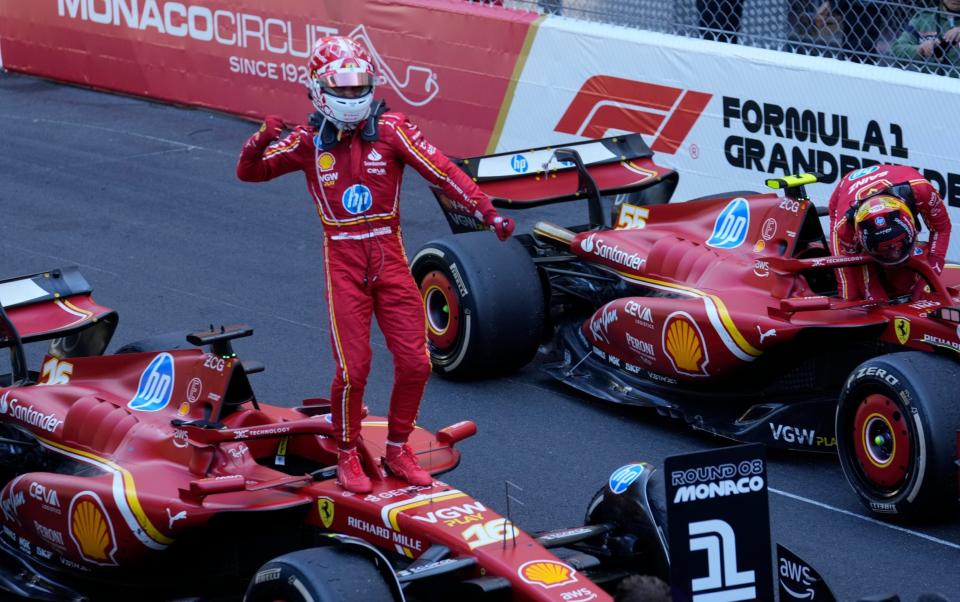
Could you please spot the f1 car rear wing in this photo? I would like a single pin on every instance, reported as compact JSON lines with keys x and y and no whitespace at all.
{"x":51,"y":306}
{"x":577,"y":171}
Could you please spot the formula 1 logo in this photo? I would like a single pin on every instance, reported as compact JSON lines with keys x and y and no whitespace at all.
{"x":419,"y":85}
{"x":723,"y":580}
{"x":607,"y":103}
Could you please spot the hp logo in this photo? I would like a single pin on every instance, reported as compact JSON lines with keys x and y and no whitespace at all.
{"x":156,"y":385}
{"x":519,"y":164}
{"x":730,"y":229}
{"x":357,"y":199}
{"x":623,"y":477}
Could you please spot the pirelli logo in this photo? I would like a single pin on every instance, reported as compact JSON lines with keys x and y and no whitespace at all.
{"x":607,"y":103}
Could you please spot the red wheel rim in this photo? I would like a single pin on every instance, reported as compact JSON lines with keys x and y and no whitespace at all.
{"x":442,"y":307}
{"x":882,"y":442}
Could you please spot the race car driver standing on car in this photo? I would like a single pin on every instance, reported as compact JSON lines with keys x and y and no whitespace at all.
{"x":353,"y":155}
{"x":877,"y":210}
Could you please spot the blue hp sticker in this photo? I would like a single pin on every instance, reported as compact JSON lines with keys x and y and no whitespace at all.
{"x":156,"y":385}
{"x":730,"y":229}
{"x":624,"y":476}
{"x":357,"y":199}
{"x":519,"y":164}
{"x":862,"y":172}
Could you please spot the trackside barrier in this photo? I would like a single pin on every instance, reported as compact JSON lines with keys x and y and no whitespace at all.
{"x":483,"y":78}
{"x":248,"y":57}
{"x":727,"y":116}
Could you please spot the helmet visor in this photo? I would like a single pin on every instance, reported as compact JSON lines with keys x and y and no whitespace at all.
{"x":893,"y":251}
{"x":345,"y":79}
{"x":348,"y":91}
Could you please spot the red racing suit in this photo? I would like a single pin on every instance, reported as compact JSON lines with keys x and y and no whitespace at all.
{"x":870,"y":282}
{"x":356,"y":188}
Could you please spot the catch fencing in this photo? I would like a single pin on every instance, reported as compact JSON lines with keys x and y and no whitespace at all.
{"x":865,"y":31}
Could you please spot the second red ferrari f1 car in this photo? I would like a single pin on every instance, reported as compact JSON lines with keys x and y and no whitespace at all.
{"x":722,"y":311}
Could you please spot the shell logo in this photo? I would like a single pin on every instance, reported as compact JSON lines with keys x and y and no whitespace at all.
{"x":684,"y":345}
{"x":547,"y":573}
{"x":326,"y":161}
{"x":91,"y":530}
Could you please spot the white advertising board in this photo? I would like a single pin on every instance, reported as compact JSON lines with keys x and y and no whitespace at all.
{"x":727,"y":117}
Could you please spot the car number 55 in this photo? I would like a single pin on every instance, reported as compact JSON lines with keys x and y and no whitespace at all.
{"x":632,"y":216}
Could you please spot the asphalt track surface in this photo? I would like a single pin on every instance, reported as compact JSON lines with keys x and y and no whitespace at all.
{"x":143,"y":197}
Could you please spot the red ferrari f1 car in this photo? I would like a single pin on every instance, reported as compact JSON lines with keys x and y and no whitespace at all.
{"x":722,"y":311}
{"x":155,"y":473}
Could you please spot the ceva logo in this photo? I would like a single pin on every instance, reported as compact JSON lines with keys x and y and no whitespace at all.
{"x":730,"y":229}
{"x":624,"y":476}
{"x":156,"y":385}
{"x":607,"y":103}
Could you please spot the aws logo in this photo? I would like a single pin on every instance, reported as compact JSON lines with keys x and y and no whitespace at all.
{"x":607,"y":103}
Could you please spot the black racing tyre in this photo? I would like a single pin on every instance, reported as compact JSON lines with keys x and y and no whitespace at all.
{"x":329,"y":574}
{"x":484,"y":304}
{"x":160,"y":342}
{"x":897,"y":422}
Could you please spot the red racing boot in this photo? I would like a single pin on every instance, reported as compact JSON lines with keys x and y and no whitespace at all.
{"x":350,"y":474}
{"x":403,"y":464}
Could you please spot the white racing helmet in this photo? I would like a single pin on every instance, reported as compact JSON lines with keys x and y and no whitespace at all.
{"x":341,"y":79}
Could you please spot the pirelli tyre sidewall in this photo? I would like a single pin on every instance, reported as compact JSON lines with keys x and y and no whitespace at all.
{"x":339,"y":573}
{"x":896,"y":428}
{"x":484,"y":304}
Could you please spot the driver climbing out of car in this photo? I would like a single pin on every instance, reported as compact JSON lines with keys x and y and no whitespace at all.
{"x":876,"y":210}
{"x":353,"y":154}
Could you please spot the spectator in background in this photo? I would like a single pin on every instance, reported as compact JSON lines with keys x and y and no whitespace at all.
{"x":720,"y":19}
{"x":861,"y":22}
{"x":932,"y":37}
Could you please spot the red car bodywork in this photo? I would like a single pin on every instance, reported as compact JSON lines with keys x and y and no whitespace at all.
{"x":161,"y":443}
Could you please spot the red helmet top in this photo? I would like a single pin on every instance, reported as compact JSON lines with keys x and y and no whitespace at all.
{"x":886,"y":229}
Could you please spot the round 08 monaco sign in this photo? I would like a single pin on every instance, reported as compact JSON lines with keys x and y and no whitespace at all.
{"x":719,"y":527}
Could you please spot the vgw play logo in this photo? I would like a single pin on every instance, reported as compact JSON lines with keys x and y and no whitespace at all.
{"x":156,"y":385}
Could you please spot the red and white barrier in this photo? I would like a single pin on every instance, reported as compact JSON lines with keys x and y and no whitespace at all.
{"x":447,"y":63}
